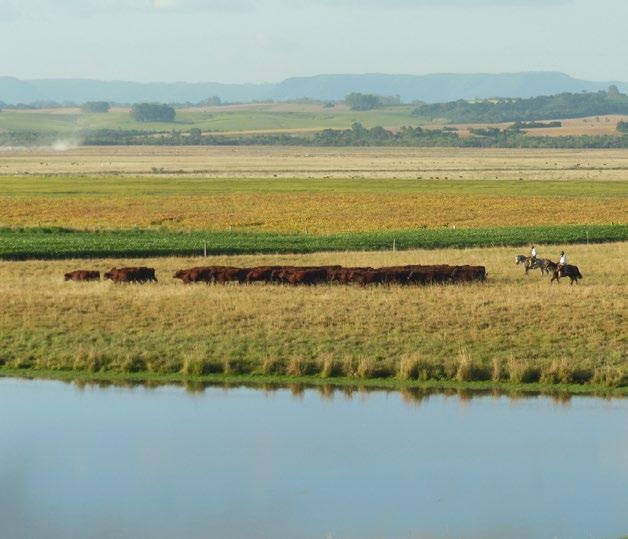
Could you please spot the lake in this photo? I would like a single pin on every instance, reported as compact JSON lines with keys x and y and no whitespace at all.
{"x":166,"y":462}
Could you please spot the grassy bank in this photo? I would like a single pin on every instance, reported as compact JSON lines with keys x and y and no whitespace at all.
{"x":60,"y":243}
{"x":510,"y":330}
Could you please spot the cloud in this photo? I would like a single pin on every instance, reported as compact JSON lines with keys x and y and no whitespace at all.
{"x":34,"y":9}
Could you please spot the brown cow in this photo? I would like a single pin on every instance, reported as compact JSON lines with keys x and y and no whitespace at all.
{"x":194,"y":275}
{"x":264,"y":274}
{"x":82,"y":275}
{"x":131,"y":275}
{"x":309,"y":276}
{"x":230,"y":274}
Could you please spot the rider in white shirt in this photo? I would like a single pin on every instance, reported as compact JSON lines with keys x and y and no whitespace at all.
{"x":533,"y":254}
{"x":563,"y":259}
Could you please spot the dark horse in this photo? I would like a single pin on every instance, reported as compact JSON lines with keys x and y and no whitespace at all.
{"x":568,"y":270}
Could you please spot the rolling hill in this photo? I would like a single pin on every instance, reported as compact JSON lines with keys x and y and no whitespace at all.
{"x":428,"y":88}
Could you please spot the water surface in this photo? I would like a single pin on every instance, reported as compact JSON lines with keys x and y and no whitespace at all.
{"x":245,"y":463}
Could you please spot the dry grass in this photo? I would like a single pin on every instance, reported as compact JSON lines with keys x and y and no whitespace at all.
{"x":511,"y":328}
{"x":294,"y":162}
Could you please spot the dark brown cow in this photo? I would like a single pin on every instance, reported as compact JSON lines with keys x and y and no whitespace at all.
{"x":194,"y":275}
{"x":465,"y":274}
{"x":131,"y":275}
{"x":82,"y":275}
{"x":309,"y":276}
{"x":231,"y":274}
{"x":265,"y":274}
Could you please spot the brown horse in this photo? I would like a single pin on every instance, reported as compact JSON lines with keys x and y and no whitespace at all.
{"x":568,"y":270}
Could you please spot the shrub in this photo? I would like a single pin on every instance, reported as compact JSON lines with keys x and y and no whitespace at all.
{"x":522,"y":371}
{"x":95,"y":107}
{"x":152,"y":112}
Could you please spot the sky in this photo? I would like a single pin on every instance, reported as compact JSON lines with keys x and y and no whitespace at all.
{"x":270,"y":40}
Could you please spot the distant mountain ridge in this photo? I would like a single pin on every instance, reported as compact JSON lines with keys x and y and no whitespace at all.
{"x":438,"y":88}
{"x":434,"y":88}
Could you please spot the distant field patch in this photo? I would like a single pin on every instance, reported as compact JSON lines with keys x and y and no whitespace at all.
{"x":256,"y":162}
{"x":324,"y":206}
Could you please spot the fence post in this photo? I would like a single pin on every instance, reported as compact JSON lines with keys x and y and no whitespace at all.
{"x":205,"y":249}
{"x":394,"y":245}
{"x":587,"y":237}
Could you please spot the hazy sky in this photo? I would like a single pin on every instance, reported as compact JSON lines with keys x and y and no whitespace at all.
{"x":268,"y":40}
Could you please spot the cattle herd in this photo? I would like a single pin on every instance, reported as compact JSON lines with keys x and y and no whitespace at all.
{"x":297,"y":275}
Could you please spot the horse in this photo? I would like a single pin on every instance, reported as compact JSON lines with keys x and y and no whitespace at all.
{"x":568,"y":270}
{"x":539,"y":263}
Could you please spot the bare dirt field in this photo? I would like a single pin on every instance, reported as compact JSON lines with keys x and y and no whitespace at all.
{"x":591,"y":125}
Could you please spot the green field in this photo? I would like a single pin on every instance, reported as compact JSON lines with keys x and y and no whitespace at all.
{"x":252,"y":118}
{"x":59,"y":243}
{"x":86,"y":215}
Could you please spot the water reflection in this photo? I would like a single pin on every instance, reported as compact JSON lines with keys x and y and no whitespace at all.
{"x":328,"y":392}
{"x":128,"y":460}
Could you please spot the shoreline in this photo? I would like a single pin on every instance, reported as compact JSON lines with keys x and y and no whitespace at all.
{"x":261,"y":380}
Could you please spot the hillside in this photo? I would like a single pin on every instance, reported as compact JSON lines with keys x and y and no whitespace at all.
{"x":428,"y":88}
{"x":564,"y":105}
{"x":436,"y":88}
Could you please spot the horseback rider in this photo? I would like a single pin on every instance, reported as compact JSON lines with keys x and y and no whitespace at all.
{"x":532,"y":255}
{"x":563,"y":261}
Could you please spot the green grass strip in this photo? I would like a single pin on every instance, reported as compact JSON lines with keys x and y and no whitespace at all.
{"x":60,"y":243}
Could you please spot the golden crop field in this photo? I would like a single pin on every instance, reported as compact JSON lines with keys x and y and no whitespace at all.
{"x":307,"y":212}
{"x":504,"y":328}
{"x":311,"y":190}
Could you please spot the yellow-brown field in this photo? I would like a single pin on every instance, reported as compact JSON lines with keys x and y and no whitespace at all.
{"x":311,"y":190}
{"x":312,"y":213}
{"x":512,"y":327}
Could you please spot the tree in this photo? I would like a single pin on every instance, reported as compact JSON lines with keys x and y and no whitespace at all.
{"x":613,"y":90}
{"x":358,"y":101}
{"x":95,"y":106}
{"x":195,"y":135}
{"x":213,"y":101}
{"x":152,"y":112}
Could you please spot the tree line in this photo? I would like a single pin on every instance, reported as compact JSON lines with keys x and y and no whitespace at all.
{"x":358,"y":135}
{"x":560,"y":106}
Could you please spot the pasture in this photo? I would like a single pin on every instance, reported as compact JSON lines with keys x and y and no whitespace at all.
{"x":259,"y":118}
{"x":322,"y":191}
{"x":270,"y":118}
{"x":511,"y":329}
